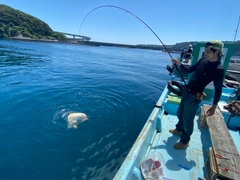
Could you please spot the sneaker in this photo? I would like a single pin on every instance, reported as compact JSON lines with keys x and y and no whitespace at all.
{"x":174,"y":131}
{"x":180,"y":145}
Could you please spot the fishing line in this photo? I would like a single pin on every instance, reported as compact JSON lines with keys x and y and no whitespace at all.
{"x":131,"y":14}
{"x":111,"y":6}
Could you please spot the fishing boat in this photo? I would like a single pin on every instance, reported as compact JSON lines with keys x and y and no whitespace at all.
{"x":213,"y":151}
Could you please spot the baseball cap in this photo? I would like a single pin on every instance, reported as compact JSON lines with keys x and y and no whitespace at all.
{"x":215,"y":44}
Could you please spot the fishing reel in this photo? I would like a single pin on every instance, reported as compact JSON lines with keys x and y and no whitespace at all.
{"x":170,"y":69}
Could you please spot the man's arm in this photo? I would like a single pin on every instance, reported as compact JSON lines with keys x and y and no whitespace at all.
{"x":189,"y":69}
{"x":218,"y":91}
{"x":217,"y":95}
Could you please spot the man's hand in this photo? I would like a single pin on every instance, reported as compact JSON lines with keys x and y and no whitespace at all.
{"x":175,"y":61}
{"x":211,"y":110}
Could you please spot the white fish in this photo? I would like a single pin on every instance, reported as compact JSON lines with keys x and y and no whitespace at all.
{"x":74,"y":119}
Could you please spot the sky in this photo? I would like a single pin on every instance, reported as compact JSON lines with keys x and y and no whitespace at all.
{"x":172,"y":21}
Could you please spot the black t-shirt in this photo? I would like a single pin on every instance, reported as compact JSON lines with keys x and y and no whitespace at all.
{"x":189,"y":50}
{"x":204,"y":73}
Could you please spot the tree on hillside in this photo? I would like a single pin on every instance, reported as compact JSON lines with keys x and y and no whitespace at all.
{"x":14,"y":22}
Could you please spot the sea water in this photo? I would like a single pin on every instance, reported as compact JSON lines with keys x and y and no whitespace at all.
{"x":42,"y":83}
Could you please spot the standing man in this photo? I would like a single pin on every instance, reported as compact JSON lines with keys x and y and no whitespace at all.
{"x":181,"y":55}
{"x":206,"y":70}
{"x":188,"y":54}
{"x":190,"y":50}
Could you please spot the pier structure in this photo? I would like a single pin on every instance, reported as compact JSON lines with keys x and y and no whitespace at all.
{"x":75,"y":38}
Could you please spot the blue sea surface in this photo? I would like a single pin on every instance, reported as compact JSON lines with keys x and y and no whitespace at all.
{"x":42,"y":83}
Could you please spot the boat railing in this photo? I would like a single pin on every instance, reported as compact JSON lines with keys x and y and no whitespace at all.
{"x":142,"y":144}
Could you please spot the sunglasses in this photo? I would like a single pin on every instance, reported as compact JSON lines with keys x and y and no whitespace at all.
{"x":212,"y":44}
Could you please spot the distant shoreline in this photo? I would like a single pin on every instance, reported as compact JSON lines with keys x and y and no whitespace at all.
{"x":94,"y":43}
{"x":34,"y":40}
{"x":91,"y":43}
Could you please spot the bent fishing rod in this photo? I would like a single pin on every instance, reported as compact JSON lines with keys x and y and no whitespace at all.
{"x":111,"y":6}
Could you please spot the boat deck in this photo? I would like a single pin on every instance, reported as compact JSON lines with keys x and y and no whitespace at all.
{"x":190,"y":162}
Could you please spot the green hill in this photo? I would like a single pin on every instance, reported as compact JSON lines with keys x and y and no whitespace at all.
{"x":15,"y":23}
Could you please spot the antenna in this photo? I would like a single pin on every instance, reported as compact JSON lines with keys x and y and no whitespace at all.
{"x":237,"y":29}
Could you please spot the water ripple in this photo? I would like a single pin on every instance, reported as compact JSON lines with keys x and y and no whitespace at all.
{"x":42,"y":83}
